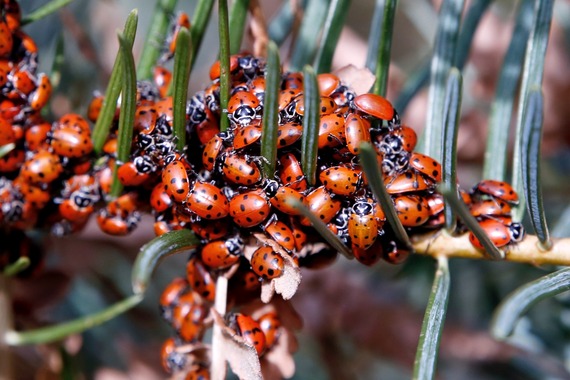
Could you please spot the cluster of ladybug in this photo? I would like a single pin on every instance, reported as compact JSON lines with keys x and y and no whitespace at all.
{"x":43,"y":163}
{"x":222,"y":194}
{"x":216,"y":186}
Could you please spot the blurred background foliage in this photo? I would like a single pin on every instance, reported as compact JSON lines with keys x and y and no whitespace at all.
{"x":359,"y":322}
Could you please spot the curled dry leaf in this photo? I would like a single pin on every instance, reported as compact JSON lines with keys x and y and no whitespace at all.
{"x":278,"y":362}
{"x":241,"y":356}
{"x":286,"y":284}
{"x":359,"y":80}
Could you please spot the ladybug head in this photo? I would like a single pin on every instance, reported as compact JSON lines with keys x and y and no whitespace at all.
{"x":517,"y":232}
{"x":270,"y":187}
{"x":362,"y":208}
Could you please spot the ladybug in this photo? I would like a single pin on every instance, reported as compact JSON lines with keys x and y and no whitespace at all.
{"x":408,"y":181}
{"x":395,"y":254}
{"x":341,"y":180}
{"x":95,"y":106}
{"x":211,"y":151}
{"x":292,"y":80}
{"x":413,"y":210}
{"x":375,"y":105}
{"x":489,"y":207}
{"x":499,"y":234}
{"x":78,"y":208}
{"x":281,"y":234}
{"x":517,"y":232}
{"x":12,"y":14}
{"x":357,"y":130}
{"x":200,"y":279}
{"x":222,"y":254}
{"x":362,"y":225}
{"x":249,"y":329}
{"x":208,"y":128}
{"x":240,"y":170}
{"x":162,"y":78}
{"x":34,"y":195}
{"x":207,"y":201}
{"x":115,"y":225}
{"x":159,"y":199}
{"x":68,"y":142}
{"x":370,"y":255}
{"x":281,"y":200}
{"x":322,"y":204}
{"x":39,"y":98}
{"x":6,"y":40}
{"x":14,"y":159}
{"x":498,"y":189}
{"x":288,"y":134}
{"x":291,"y":173}
{"x":270,"y":324}
{"x":267,"y":263}
{"x":407,"y":137}
{"x":257,"y":87}
{"x":173,"y":290}
{"x":426,"y":165}
{"x":175,"y":181}
{"x":192,"y":325}
{"x":285,"y":101}
{"x":331,"y":130}
{"x":299,"y":234}
{"x":210,"y":229}
{"x":212,"y":97}
{"x":215,"y":69}
{"x":73,"y":121}
{"x":7,"y":134}
{"x":145,"y":120}
{"x":164,"y":109}
{"x":43,"y":167}
{"x":246,"y":135}
{"x":328,"y":83}
{"x":171,"y":359}
{"x":36,"y":135}
{"x":129,"y":174}
{"x":20,"y":84}
{"x":249,"y":209}
{"x":243,"y":108}
{"x":327,"y":105}
{"x":182,"y":21}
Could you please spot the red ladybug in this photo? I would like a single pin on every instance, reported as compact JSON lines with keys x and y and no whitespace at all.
{"x":41,"y":168}
{"x":175,"y":181}
{"x":200,"y":279}
{"x":291,"y":173}
{"x":375,"y":105}
{"x":249,"y":329}
{"x":322,"y":204}
{"x":249,"y":209}
{"x":267,"y":263}
{"x":497,"y":232}
{"x":331,"y":130}
{"x":240,"y":170}
{"x":243,"y":107}
{"x":357,"y":130}
{"x":498,"y":189}
{"x":281,"y":234}
{"x":207,"y":201}
{"x":362,"y":225}
{"x":221,"y":254}
{"x":341,"y":180}
{"x":413,"y":210}
{"x":270,"y":324}
{"x":426,"y":165}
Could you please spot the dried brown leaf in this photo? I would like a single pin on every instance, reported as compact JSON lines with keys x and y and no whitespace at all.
{"x":359,"y":80}
{"x":241,"y":356}
{"x":286,"y":284}
{"x":278,"y":362}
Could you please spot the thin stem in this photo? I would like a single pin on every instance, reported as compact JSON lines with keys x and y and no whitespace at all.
{"x":528,"y":251}
{"x":218,"y":369}
{"x":6,"y":324}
